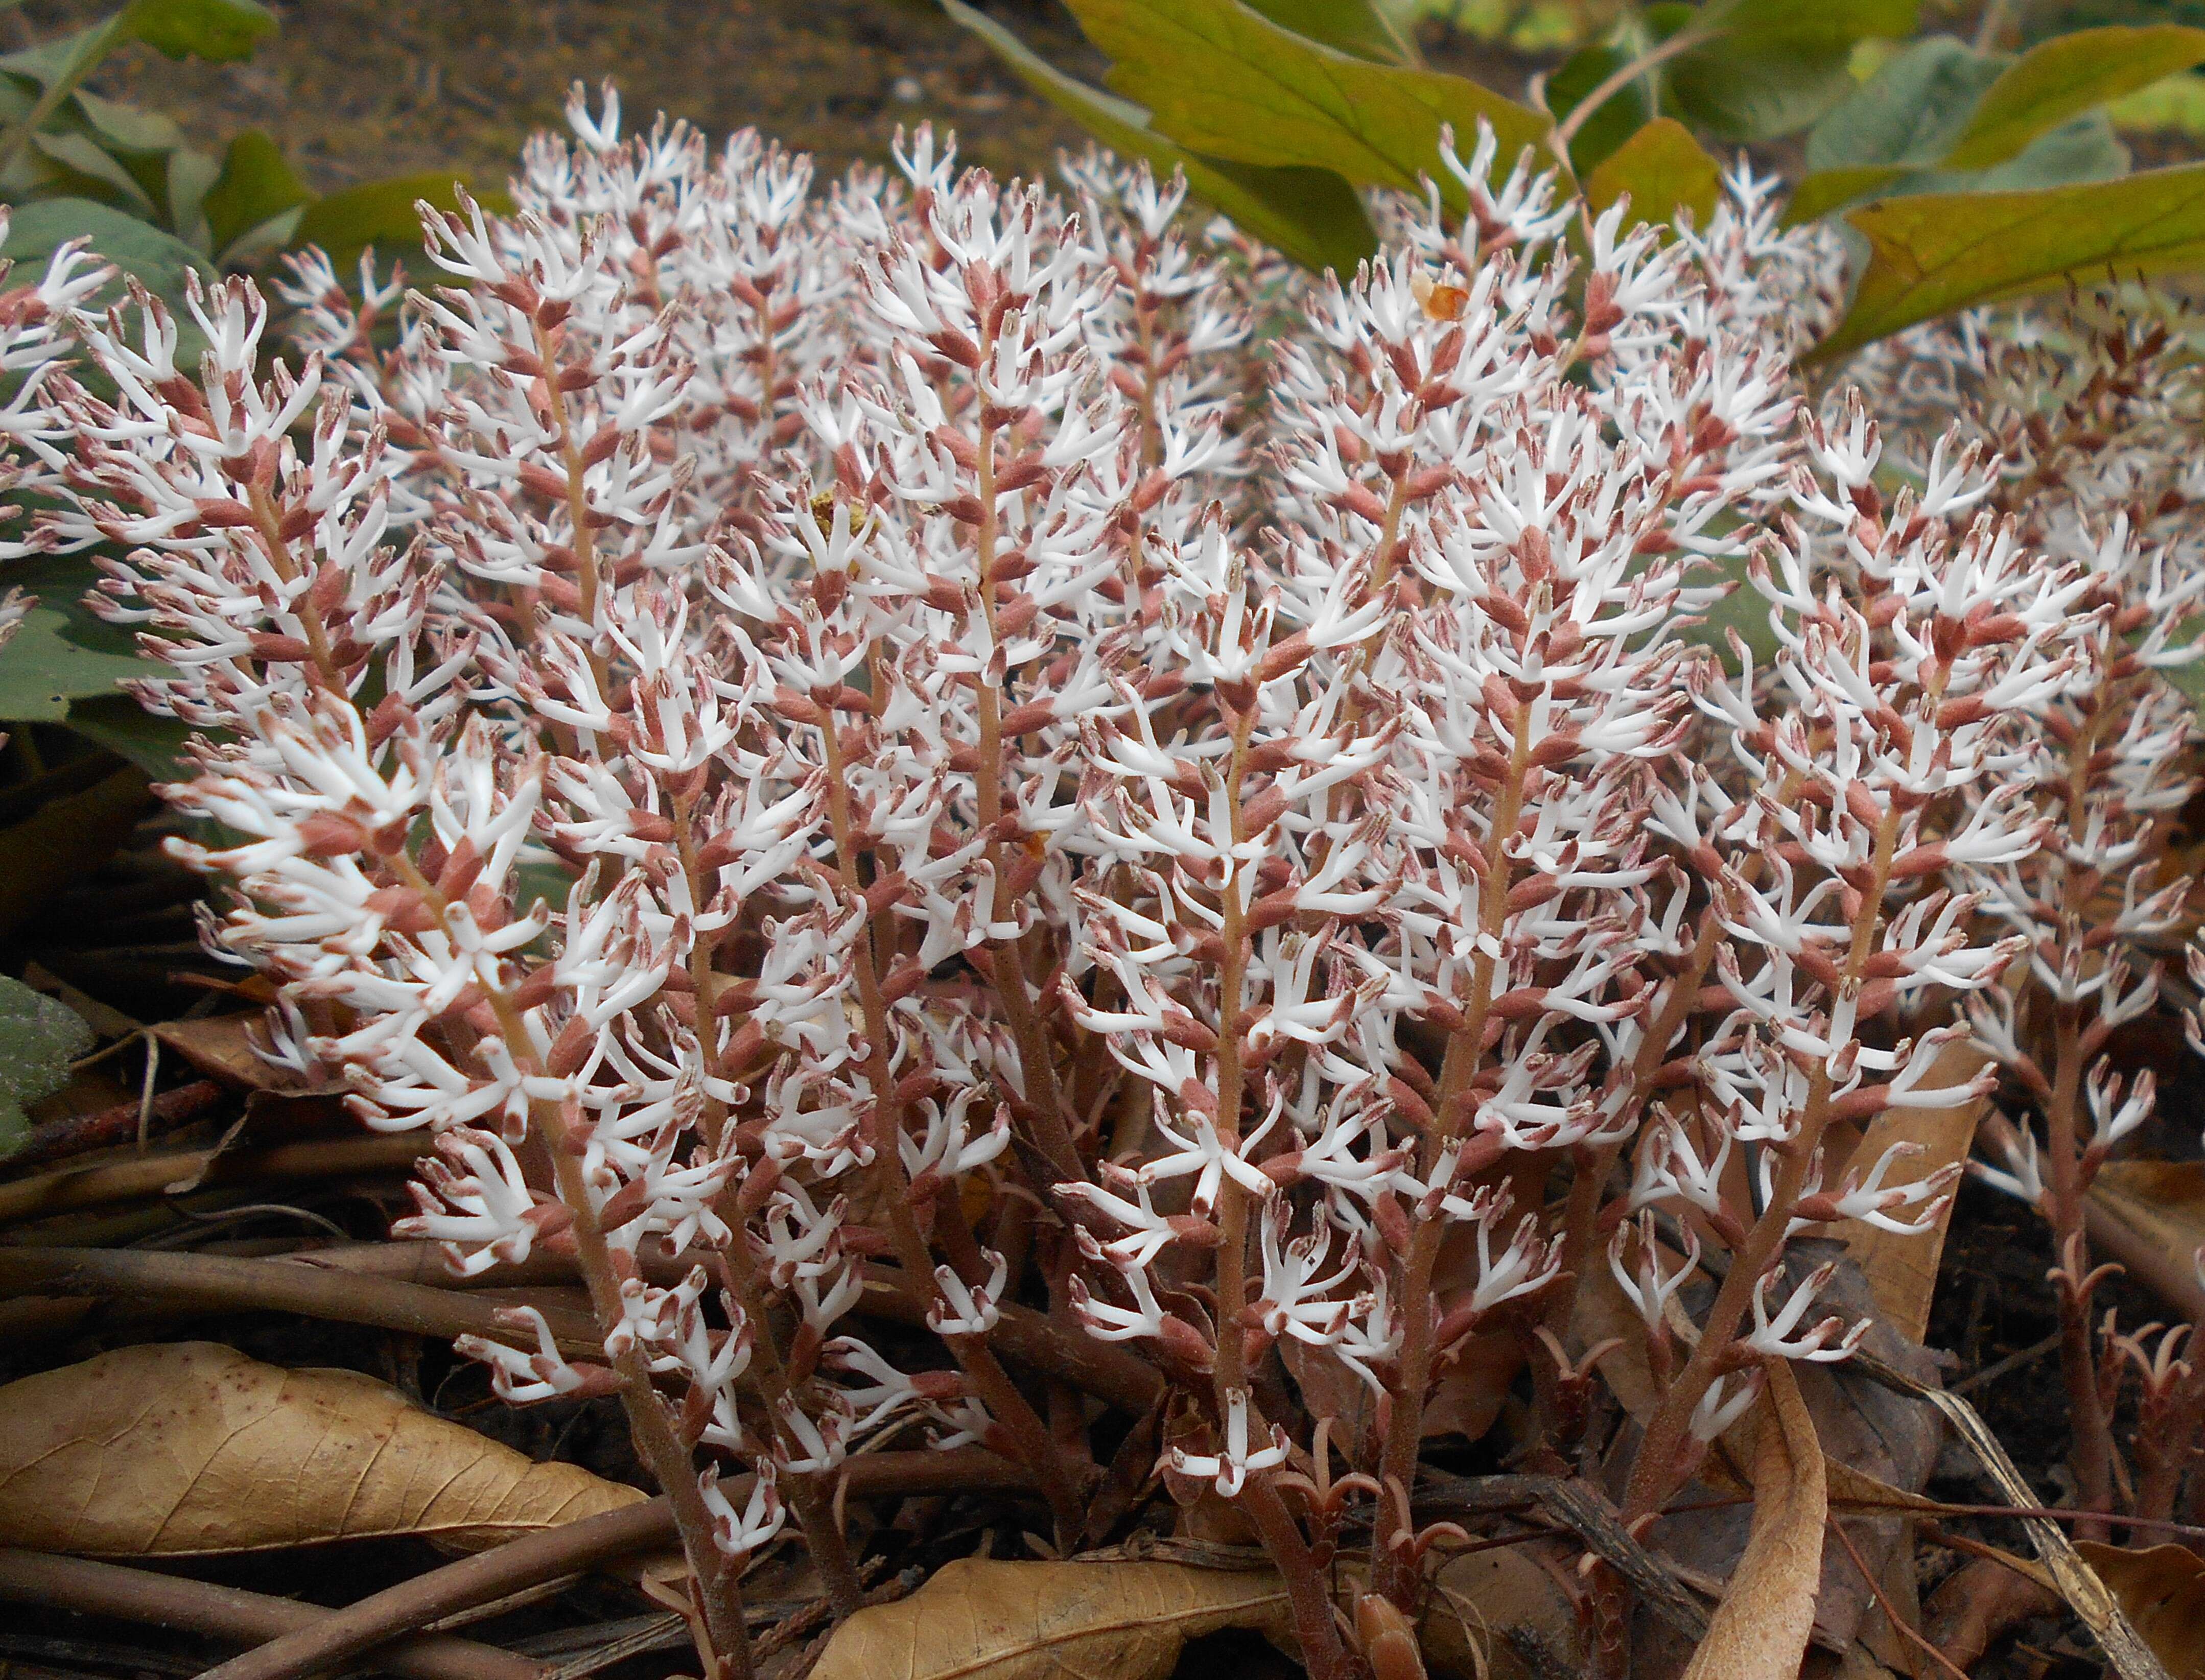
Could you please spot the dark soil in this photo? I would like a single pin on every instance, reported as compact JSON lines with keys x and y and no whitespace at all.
{"x":357,"y":89}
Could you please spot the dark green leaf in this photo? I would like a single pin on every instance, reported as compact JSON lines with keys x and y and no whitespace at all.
{"x":1744,"y":609}
{"x":1775,"y":66}
{"x":67,"y":59}
{"x":2085,"y":148}
{"x":1311,"y":215}
{"x":220,"y":30}
{"x":2067,"y":76}
{"x":1358,"y":27}
{"x":382,"y":213}
{"x":255,"y":184}
{"x":1938,"y":251}
{"x":95,"y":168}
{"x":1621,"y":116}
{"x":1909,"y":113}
{"x":125,"y":128}
{"x":1225,"y":81}
{"x":192,"y":175}
{"x":126,"y":729}
{"x":1664,"y":170}
{"x":44,"y":668}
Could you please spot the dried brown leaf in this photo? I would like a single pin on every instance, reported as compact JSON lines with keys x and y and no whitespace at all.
{"x":1761,"y":1628}
{"x":979,"y":1620}
{"x":1902,"y":1271}
{"x":1499,"y":1615}
{"x":192,"y":1447}
{"x":2149,"y":1215}
{"x":2163,"y":1591}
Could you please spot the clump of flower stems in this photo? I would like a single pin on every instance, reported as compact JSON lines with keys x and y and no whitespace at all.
{"x":889,"y":747}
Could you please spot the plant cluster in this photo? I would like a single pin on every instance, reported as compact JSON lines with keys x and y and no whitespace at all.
{"x":1173,"y":824}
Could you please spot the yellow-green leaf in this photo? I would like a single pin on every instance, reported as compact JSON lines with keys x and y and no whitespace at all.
{"x":1223,"y":81}
{"x":1360,"y":26}
{"x":2065,"y":76}
{"x":1311,"y":215}
{"x":1827,"y":190}
{"x":1664,"y":170}
{"x":1938,"y":251}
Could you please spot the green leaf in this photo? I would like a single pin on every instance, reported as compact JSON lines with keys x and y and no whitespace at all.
{"x":1225,"y":81}
{"x":2085,"y":148}
{"x":45,"y":666}
{"x":382,"y":212}
{"x":192,"y":176}
{"x":1356,"y":27}
{"x":1311,"y":215}
{"x":1909,"y":113}
{"x":122,"y":127}
{"x":1775,"y":66}
{"x":2065,"y":76}
{"x":1938,"y":251}
{"x":40,"y":1038}
{"x":2174,"y":103}
{"x":84,"y":157}
{"x":1621,"y":116}
{"x":158,"y":260}
{"x":219,"y":30}
{"x":256,"y":183}
{"x":1827,"y":190}
{"x":1664,"y":170}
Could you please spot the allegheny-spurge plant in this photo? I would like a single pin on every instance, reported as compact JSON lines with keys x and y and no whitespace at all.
{"x":1164,"y":821}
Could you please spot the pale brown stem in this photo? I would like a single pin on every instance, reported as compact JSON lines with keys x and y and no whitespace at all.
{"x":587,"y":581}
{"x":1658,"y":1470}
{"x":717,"y":1577}
{"x":995,"y":1390}
{"x":268,"y":524}
{"x":1044,"y":1097}
{"x":814,"y":1509}
{"x":1392,"y":1570}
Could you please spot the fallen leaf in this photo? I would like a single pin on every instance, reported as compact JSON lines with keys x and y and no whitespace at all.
{"x":2163,"y":1591}
{"x":2149,"y":1215}
{"x":191,"y":1447}
{"x":225,"y":1048}
{"x":1902,"y":1271}
{"x":979,"y":1620}
{"x":1499,"y":1615}
{"x":1761,"y":1628}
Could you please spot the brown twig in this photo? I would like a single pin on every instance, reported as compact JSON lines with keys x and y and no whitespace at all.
{"x":220,"y":1284}
{"x":228,"y":1613}
{"x":151,"y":1176}
{"x":76,"y":1134}
{"x":576,"y":1546}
